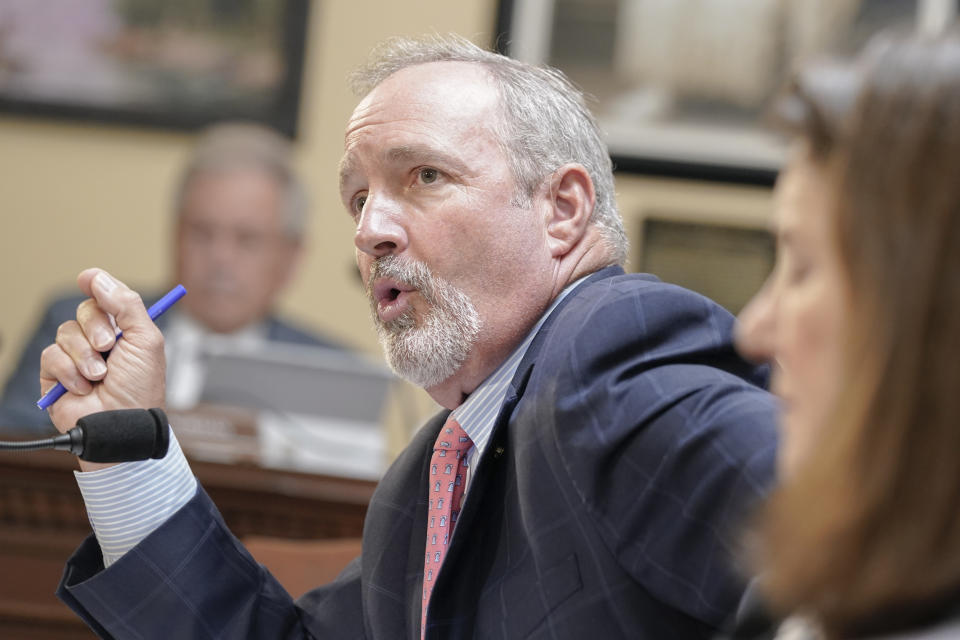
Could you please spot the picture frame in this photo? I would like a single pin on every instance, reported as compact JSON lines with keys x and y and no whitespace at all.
{"x":681,"y":88}
{"x":178,"y":64}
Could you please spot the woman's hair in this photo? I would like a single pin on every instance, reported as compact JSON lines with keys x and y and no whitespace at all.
{"x":865,"y":535}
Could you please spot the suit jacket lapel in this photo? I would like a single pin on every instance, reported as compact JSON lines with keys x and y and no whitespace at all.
{"x":496,"y":449}
{"x":519,"y":383}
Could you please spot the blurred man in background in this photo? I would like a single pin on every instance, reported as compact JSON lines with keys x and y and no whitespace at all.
{"x":241,"y":213}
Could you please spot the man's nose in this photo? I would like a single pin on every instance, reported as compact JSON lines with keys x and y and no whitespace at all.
{"x":756,"y":324}
{"x":380,"y":231}
{"x":226,"y":247}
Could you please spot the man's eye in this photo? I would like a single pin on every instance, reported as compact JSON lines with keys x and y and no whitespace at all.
{"x":428,"y":175}
{"x":199,"y":233}
{"x":358,"y":203}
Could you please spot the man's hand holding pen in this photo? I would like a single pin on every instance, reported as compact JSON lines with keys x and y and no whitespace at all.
{"x":134,"y":374}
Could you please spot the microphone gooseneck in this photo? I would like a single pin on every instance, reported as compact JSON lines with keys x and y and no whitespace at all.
{"x":68,"y":441}
{"x":123,"y":435}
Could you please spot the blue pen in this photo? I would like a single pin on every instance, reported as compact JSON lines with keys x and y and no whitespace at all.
{"x":156,"y":310}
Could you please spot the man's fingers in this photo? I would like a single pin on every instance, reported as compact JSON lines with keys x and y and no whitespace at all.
{"x":57,"y":366}
{"x":87,"y":359}
{"x":115,"y":298}
{"x":96,"y":325}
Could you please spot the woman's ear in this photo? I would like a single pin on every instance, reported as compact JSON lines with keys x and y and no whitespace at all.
{"x":570,"y":204}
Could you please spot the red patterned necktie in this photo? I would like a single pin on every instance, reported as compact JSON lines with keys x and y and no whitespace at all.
{"x":447,"y":480}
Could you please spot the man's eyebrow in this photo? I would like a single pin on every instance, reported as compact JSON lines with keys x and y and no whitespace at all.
{"x":346,"y":168}
{"x":426,"y":155}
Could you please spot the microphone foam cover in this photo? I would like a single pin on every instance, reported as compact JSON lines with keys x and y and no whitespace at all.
{"x":124,"y":435}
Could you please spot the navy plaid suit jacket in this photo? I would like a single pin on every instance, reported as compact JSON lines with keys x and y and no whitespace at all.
{"x":607,"y":504}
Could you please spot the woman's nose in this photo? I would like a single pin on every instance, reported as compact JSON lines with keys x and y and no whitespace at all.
{"x":753,"y":333}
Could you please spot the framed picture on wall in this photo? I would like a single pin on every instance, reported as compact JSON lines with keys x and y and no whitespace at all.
{"x":682,"y":86}
{"x":169,"y":63}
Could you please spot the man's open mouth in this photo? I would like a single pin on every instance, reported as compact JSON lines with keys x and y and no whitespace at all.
{"x":390,"y":299}
{"x":386,"y":290}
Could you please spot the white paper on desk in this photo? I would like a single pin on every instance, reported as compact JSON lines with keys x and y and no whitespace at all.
{"x":331,"y":446}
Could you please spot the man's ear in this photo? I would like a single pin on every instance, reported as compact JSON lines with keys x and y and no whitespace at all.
{"x":571,"y":199}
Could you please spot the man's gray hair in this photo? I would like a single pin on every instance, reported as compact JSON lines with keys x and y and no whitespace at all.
{"x":244,"y":145}
{"x":544,"y":122}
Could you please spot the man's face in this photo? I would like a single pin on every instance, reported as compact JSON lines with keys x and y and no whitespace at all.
{"x":232,"y":254}
{"x":439,"y":239}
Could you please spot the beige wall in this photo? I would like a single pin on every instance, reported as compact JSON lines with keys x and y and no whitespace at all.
{"x":74,"y":196}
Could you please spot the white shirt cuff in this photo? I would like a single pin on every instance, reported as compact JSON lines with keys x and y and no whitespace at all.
{"x":128,"y":501}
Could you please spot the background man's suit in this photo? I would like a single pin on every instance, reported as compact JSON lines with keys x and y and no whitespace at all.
{"x":18,"y":408}
{"x":630,"y":444}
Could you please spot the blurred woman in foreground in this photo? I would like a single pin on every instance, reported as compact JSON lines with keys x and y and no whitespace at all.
{"x":861,"y":320}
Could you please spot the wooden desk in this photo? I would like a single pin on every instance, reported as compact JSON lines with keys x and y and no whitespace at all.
{"x":42,"y":520}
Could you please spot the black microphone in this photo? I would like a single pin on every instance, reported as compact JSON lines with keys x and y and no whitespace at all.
{"x":109,"y":436}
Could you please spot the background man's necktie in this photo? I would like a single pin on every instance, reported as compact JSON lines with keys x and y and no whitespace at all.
{"x":447,"y":480}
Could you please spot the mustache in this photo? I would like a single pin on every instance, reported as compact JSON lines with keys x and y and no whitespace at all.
{"x":410,"y":272}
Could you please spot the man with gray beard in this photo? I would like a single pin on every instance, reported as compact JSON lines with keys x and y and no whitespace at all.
{"x":601,"y":437}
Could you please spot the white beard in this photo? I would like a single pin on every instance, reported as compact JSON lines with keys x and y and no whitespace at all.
{"x":428,"y":354}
